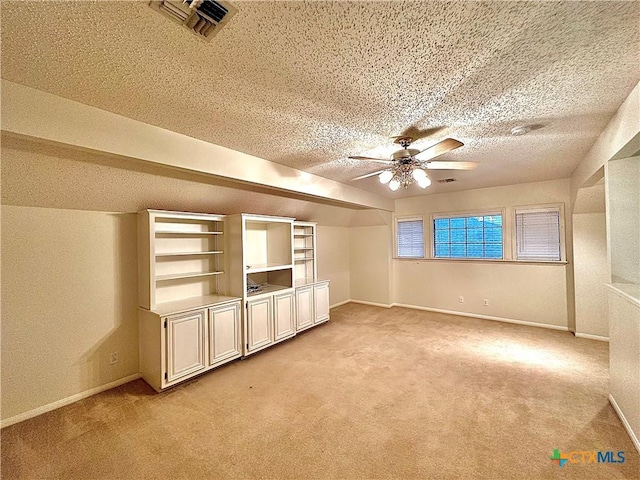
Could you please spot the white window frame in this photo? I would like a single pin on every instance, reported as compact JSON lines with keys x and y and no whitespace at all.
{"x":396,"y":245}
{"x":554,"y":207}
{"x":480,"y":213}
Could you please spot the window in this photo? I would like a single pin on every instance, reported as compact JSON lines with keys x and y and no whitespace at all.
{"x":473,"y":236}
{"x":410,"y":238}
{"x":538,"y":234}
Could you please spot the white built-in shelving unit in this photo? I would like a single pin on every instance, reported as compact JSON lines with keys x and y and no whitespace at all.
{"x":312,"y":294}
{"x":304,"y":252}
{"x":187,"y":324}
{"x":261,"y":269}
{"x":213,"y":288}
{"x":181,"y":256}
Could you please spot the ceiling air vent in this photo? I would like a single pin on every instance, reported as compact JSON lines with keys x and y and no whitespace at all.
{"x":447,"y":180}
{"x":203,"y":17}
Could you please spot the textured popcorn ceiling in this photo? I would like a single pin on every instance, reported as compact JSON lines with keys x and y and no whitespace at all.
{"x":307,"y":84}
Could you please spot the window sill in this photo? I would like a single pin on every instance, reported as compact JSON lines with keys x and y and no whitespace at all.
{"x":479,"y":260}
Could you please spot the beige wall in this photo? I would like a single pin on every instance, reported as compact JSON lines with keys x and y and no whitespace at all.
{"x":623,"y":191}
{"x":591,"y":270}
{"x":516,"y":291}
{"x":526,"y":293}
{"x":624,"y":357}
{"x":68,"y":301}
{"x":369,"y":263}
{"x":333,"y":261}
{"x":619,"y":136}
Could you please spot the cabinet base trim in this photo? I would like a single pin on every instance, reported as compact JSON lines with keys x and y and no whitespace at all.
{"x":625,"y":423}
{"x":67,"y":401}
{"x":248,"y":353}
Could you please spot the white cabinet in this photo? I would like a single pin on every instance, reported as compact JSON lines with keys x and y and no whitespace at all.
{"x":283,"y":316}
{"x":261,"y":269}
{"x":270,"y":319}
{"x":185,"y":344}
{"x":312,"y":304}
{"x":187,"y":325}
{"x":179,"y":340}
{"x":259,"y":323}
{"x":196,"y":271}
{"x":312,"y":295}
{"x":224,"y":333}
{"x":321,"y":302}
{"x":304,"y":307}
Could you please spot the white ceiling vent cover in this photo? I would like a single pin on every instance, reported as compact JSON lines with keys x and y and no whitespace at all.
{"x":203,"y":17}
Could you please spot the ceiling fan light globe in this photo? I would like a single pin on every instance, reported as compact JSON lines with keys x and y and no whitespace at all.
{"x":419,"y":174}
{"x":394,"y":185}
{"x":424,"y":182}
{"x":385,"y":176}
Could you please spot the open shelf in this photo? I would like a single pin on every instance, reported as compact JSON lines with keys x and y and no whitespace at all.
{"x":169,"y":233}
{"x":187,"y":254}
{"x":304,"y":251}
{"x":178,"y":276}
{"x":267,"y":267}
{"x":266,"y":289}
{"x":181,"y":256}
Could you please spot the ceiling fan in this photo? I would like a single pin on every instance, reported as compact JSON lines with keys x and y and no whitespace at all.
{"x":409,"y":164}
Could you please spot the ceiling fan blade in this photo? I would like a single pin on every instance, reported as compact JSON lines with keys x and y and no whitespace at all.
{"x":451,"y":165}
{"x":369,"y":159}
{"x":369,"y":174}
{"x":415,"y":133}
{"x":439,"y":148}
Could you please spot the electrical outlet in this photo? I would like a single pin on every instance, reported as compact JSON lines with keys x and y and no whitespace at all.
{"x":113,"y":358}
{"x":461,"y":299}
{"x":485,"y":302}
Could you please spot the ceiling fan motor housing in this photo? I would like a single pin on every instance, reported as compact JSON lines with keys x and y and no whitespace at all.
{"x":405,"y":153}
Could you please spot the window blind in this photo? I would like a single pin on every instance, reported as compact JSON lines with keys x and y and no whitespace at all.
{"x":538,"y":235}
{"x":410,"y":238}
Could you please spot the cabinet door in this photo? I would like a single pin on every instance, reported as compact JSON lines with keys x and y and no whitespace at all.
{"x":259,"y":319}
{"x":284,"y":315}
{"x":321,"y":302}
{"x":224,"y":332}
{"x":304,"y":307}
{"x":185,"y":344}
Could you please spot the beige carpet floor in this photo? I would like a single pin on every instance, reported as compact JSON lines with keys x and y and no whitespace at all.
{"x":375,"y":393}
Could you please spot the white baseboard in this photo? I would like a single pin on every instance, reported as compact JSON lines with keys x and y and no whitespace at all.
{"x":483,"y":317}
{"x":591,"y":337}
{"x":373,"y":304}
{"x":339,"y":304}
{"x":623,"y":419}
{"x":67,"y":401}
